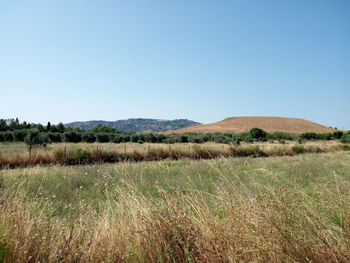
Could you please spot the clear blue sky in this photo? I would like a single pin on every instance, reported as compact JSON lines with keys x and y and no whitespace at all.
{"x":202,"y":60}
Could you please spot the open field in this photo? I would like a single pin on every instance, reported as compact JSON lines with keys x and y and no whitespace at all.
{"x":269,"y":124}
{"x":279,"y":209}
{"x":14,"y":149}
{"x":16,"y":154}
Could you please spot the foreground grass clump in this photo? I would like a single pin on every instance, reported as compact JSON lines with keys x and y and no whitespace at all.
{"x":281,"y":209}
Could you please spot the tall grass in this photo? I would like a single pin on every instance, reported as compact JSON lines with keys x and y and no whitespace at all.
{"x":281,"y":209}
{"x":73,"y":156}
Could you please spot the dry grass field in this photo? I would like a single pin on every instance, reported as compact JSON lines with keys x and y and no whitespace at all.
{"x":268,"y":124}
{"x":17,"y":155}
{"x":20,"y":149}
{"x":278,"y":209}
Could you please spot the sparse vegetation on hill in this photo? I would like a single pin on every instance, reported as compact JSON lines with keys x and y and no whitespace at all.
{"x":268,"y":124}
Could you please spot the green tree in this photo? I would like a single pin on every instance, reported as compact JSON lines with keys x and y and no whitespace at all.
{"x":48,"y":127}
{"x":258,"y":134}
{"x":72,"y":136}
{"x":60,"y":128}
{"x":103,"y":129}
{"x":34,"y":137}
{"x":3,"y":125}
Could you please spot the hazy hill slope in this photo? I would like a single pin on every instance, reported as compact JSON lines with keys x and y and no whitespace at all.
{"x":138,"y":125}
{"x":269,"y":124}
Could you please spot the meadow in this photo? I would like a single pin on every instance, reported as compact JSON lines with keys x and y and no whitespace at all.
{"x":278,"y":209}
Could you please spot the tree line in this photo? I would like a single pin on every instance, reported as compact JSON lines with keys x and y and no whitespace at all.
{"x":14,"y":131}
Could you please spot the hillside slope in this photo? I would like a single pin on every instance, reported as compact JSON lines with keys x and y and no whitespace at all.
{"x":269,"y":124}
{"x":138,"y":125}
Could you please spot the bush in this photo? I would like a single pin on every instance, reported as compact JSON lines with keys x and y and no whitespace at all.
{"x":34,"y":137}
{"x":183,"y":138}
{"x":2,"y":137}
{"x":149,"y":137}
{"x":59,"y":155}
{"x":135,"y":138}
{"x":345,"y":138}
{"x":8,"y":136}
{"x":258,"y":134}
{"x":218,"y":138}
{"x":79,"y":156}
{"x":248,"y":139}
{"x":279,"y":136}
{"x":324,"y":136}
{"x":88,"y":137}
{"x":308,"y":136}
{"x":337,"y":134}
{"x":250,"y":152}
{"x":103,"y":129}
{"x":71,"y":136}
{"x":298,"y":149}
{"x":117,"y":138}
{"x":54,"y":136}
{"x":19,"y":135}
{"x":102,"y":137}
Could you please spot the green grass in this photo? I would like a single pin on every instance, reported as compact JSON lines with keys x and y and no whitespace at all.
{"x":280,"y":209}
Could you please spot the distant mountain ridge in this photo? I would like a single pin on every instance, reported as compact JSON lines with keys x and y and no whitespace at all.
{"x":140,"y":125}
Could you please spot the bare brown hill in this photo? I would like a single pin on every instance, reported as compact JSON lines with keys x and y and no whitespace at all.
{"x":269,"y":124}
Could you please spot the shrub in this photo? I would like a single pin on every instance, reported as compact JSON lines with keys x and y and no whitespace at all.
{"x":279,"y":136}
{"x":125,"y":138}
{"x":103,"y":129}
{"x":218,"y":138}
{"x":250,"y":152}
{"x":88,"y":137}
{"x":337,"y":134}
{"x":34,"y":137}
{"x":236,"y":139}
{"x":196,"y":139}
{"x":8,"y":136}
{"x":71,"y":136}
{"x":135,"y":138}
{"x":248,"y":139}
{"x":160,"y":137}
{"x":345,"y":138}
{"x":324,"y":136}
{"x":54,"y":136}
{"x":308,"y":136}
{"x":298,"y":149}
{"x":149,"y":137}
{"x":79,"y":156}
{"x":2,"y":136}
{"x":19,"y":135}
{"x":301,"y":140}
{"x":117,"y":138}
{"x":183,"y":138}
{"x":59,"y":155}
{"x":258,"y":134}
{"x":102,"y":137}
